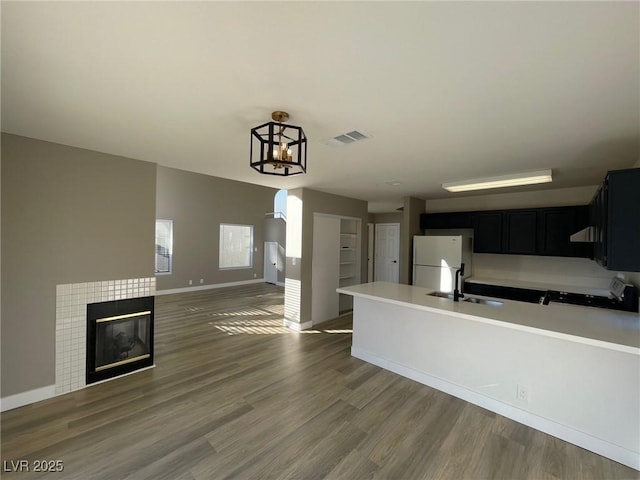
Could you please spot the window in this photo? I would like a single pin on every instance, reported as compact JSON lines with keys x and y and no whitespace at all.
{"x":236,"y":246}
{"x":280,"y":204}
{"x":164,"y":245}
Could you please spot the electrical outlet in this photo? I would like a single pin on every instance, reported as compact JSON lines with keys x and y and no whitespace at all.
{"x":190,"y":282}
{"x":202,"y":280}
{"x":522,"y":393}
{"x":255,"y":275}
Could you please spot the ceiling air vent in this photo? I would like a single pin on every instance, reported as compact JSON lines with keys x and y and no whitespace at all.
{"x":356,"y":135}
{"x":346,"y":138}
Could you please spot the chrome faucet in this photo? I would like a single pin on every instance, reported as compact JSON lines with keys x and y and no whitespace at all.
{"x":457,"y":294}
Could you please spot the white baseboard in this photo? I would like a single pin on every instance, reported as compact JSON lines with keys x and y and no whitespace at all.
{"x":25,"y":398}
{"x":208,"y":287}
{"x":280,"y":284}
{"x":296,"y":326}
{"x":568,"y":434}
{"x":44,"y":393}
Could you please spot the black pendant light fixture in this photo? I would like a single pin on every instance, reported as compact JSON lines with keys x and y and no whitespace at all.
{"x":278,"y":149}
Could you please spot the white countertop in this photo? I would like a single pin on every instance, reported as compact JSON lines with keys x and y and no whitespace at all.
{"x":594,"y":326}
{"x":505,"y":282}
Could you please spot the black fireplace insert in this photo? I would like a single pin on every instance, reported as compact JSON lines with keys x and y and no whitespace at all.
{"x":119,"y":337}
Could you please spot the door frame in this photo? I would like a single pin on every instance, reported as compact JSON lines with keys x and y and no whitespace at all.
{"x":387,"y":224}
{"x":370,"y":250}
{"x":268,"y":264}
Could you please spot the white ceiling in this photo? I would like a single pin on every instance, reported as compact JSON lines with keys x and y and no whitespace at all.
{"x":446,"y":90}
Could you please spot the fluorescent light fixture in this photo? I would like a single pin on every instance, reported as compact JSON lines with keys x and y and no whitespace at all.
{"x":529,"y":178}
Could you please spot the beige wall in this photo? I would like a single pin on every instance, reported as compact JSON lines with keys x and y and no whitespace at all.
{"x":394,"y":217}
{"x":275,"y":230}
{"x":197,"y":204}
{"x":409,"y":227}
{"x":632,"y":277}
{"x":68,"y":216}
{"x":540,"y":198}
{"x":312,"y":202}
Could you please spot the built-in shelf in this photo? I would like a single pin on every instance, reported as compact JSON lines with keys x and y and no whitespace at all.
{"x":349,"y":268}
{"x":336,"y":262}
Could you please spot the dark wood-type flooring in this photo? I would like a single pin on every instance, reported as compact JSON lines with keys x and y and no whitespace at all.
{"x":235,"y":395}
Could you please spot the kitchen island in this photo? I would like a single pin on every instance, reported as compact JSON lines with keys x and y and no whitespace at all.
{"x":570,"y":371}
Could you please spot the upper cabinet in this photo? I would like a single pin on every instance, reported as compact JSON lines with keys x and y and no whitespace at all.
{"x":556,"y":225}
{"x":446,"y":220}
{"x":487,"y":232}
{"x":615,"y":216}
{"x":519,"y":232}
{"x":534,"y":231}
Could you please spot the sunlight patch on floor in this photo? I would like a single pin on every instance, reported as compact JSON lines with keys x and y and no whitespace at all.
{"x":242,"y":313}
{"x":275,"y":309}
{"x":266,"y":327}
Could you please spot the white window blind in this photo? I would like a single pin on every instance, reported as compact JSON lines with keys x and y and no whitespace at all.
{"x":236,"y":246}
{"x":164,"y":245}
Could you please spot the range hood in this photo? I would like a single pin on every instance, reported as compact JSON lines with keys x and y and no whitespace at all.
{"x":585,"y":235}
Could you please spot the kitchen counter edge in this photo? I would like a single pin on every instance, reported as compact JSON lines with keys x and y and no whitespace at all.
{"x":598,"y":327}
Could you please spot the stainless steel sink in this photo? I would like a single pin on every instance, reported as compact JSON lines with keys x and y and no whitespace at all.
{"x":441,"y":295}
{"x":479,"y":301}
{"x":482,"y":301}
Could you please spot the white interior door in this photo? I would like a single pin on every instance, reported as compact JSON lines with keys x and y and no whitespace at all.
{"x":387,"y":252}
{"x":271,"y":262}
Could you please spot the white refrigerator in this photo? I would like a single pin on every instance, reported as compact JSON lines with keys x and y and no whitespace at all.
{"x":436,"y":259}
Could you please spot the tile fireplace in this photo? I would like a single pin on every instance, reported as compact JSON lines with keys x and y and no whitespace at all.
{"x":71,"y":323}
{"x":119,"y":337}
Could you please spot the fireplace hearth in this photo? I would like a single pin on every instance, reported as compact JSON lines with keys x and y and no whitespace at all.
{"x":119,"y":337}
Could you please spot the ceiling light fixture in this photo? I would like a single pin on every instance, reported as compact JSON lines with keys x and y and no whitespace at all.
{"x":529,"y":178}
{"x":278,"y":149}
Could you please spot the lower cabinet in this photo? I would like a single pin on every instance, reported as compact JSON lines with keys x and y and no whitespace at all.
{"x":508,"y":293}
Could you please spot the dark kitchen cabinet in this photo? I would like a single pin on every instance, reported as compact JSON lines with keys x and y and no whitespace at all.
{"x":556,"y":225}
{"x":615,"y":213}
{"x":533,"y":231}
{"x":519,"y":232}
{"x":598,"y":216}
{"x":509,"y":293}
{"x":446,"y":220}
{"x":487,"y":232}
